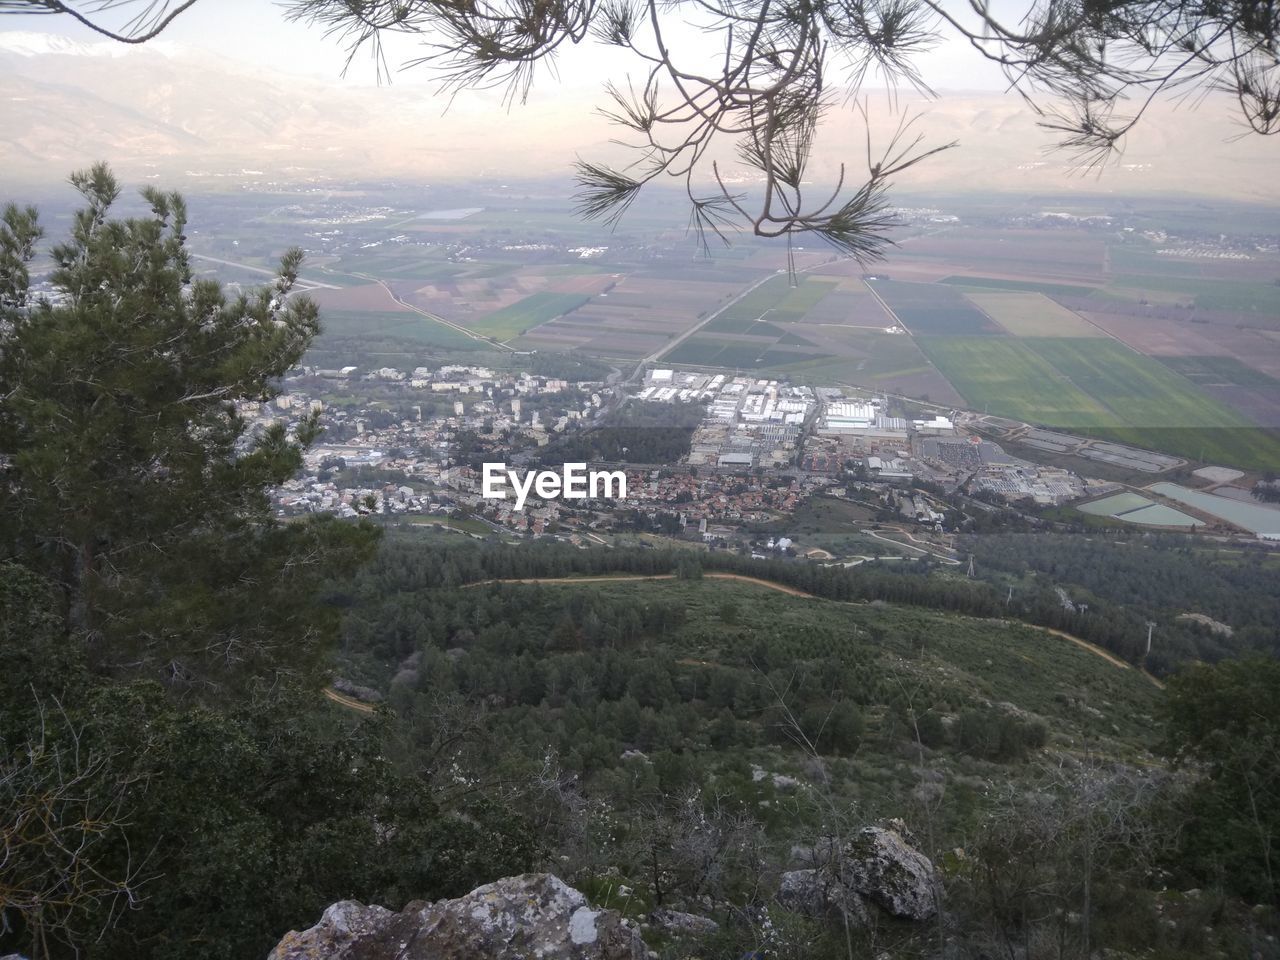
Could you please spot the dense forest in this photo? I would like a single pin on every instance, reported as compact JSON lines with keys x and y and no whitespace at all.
{"x":1113,"y":621}
{"x":638,"y":693}
{"x":1133,"y":579}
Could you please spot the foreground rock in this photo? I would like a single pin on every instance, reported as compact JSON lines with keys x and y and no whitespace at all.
{"x":882,"y":864}
{"x":533,"y":915}
{"x":879,"y":865}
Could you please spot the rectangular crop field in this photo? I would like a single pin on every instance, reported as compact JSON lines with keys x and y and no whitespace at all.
{"x":741,"y":354}
{"x":1031,"y":314}
{"x":1005,"y":376}
{"x":1102,"y":388}
{"x":1031,"y":286}
{"x":799,"y":300}
{"x":933,"y":309}
{"x":368,"y":325}
{"x":777,"y":301}
{"x":1236,"y":296}
{"x":1158,"y":408}
{"x":1252,"y":392}
{"x":852,"y":304}
{"x":524,"y":315}
{"x":1139,"y":391}
{"x":741,"y":325}
{"x":1218,"y":371}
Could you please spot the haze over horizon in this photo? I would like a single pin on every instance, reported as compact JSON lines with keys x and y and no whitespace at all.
{"x":192,"y":105}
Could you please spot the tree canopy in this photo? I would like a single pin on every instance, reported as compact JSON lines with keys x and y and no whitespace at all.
{"x":767,"y":75}
{"x":171,"y":782}
{"x":131,"y":479}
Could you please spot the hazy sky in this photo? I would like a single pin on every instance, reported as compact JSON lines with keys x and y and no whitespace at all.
{"x":256,"y":30}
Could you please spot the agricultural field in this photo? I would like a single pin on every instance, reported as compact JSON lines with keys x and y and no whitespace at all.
{"x":519,"y":317}
{"x":1250,"y":298}
{"x":634,"y":317}
{"x":933,"y":309}
{"x":774,"y":301}
{"x":873,"y":359}
{"x":370,"y":297}
{"x":1219,"y":371}
{"x":1250,"y":391}
{"x":412,"y":329}
{"x":1156,"y":335}
{"x":1100,"y":387}
{"x":1030,"y":286}
{"x":847,"y":307}
{"x":1061,"y":256}
{"x":1139,"y":390}
{"x":742,"y":353}
{"x":1005,"y":376}
{"x":1031,"y":314}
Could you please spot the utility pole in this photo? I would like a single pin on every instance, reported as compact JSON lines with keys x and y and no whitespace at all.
{"x":971,"y":566}
{"x":1009,"y":599}
{"x":1151,"y":625}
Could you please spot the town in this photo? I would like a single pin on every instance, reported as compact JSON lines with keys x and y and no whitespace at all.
{"x":755,"y":454}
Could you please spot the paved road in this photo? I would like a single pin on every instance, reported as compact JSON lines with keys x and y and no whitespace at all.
{"x":303,"y":282}
{"x":672,"y":344}
{"x":431,"y":316}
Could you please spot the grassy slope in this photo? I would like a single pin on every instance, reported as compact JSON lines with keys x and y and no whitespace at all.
{"x":943,"y":663}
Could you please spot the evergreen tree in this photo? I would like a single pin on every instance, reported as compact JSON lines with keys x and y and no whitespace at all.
{"x":130,"y":477}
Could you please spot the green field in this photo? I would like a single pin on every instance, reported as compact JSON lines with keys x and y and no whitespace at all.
{"x":781,"y":302}
{"x":1103,"y":388}
{"x":396,"y":264}
{"x":1005,"y":376}
{"x":933,"y":309}
{"x":524,"y":315}
{"x":800,"y":299}
{"x":399,"y":326}
{"x":740,"y":355}
{"x":1032,"y":286}
{"x":1238,"y":296}
{"x":747,"y":325}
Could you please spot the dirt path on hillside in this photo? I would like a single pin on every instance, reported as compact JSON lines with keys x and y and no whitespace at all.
{"x":1097,"y":651}
{"x":768,"y":584}
{"x":354,"y":704}
{"x":1093,"y":648}
{"x":351,"y":703}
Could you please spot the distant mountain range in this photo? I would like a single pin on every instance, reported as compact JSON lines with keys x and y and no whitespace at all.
{"x":163,"y":111}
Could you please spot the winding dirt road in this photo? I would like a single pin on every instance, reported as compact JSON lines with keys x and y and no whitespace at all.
{"x":768,"y":584}
{"x":1096,"y":650}
{"x":354,"y":704}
